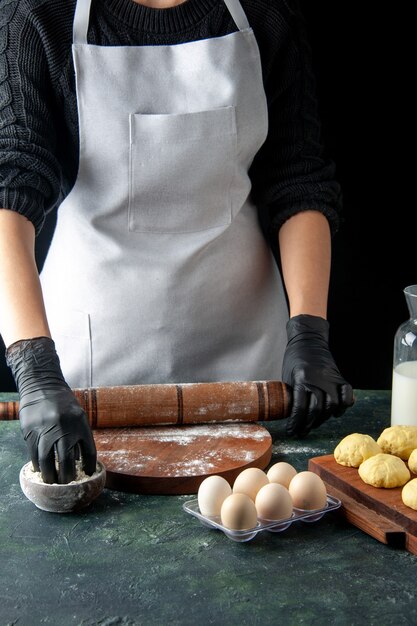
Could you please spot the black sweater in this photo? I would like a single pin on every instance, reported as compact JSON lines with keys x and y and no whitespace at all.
{"x":38,"y":109}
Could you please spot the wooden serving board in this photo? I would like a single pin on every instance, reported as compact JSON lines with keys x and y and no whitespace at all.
{"x":175,"y":460}
{"x":378,"y":512}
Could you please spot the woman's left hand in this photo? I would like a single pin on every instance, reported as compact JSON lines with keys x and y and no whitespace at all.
{"x":319,"y":390}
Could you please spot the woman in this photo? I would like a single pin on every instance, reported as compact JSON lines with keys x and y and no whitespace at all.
{"x":171,"y":131}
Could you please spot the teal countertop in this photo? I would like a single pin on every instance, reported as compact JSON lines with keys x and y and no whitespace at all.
{"x":132,"y":560}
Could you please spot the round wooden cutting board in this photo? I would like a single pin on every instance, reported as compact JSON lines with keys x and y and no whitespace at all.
{"x":175,"y":460}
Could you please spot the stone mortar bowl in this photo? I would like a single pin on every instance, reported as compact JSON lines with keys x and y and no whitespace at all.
{"x":63,"y":498}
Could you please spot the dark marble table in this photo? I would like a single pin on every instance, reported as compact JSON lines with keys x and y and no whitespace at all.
{"x":140,"y":560}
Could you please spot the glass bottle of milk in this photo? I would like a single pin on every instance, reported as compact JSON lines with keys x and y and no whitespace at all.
{"x":404,"y":378}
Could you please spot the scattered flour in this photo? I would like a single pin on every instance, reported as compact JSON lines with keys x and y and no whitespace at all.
{"x":132,"y":461}
{"x":283,"y":448}
{"x":165,"y":450}
{"x":237,"y":431}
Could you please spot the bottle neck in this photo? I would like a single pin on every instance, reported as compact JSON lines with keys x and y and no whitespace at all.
{"x":411,"y":299}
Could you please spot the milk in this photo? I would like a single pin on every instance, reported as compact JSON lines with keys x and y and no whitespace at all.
{"x":404,"y":394}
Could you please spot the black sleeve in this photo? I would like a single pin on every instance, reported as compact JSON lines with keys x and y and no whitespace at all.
{"x":30,"y":175}
{"x":290,"y":174}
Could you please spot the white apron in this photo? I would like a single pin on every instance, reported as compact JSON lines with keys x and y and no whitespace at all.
{"x":158,"y":271}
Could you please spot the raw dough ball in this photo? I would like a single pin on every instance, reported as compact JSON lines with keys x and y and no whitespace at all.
{"x":384,"y":470}
{"x":238,"y":512}
{"x":250,"y":481}
{"x":399,"y":440}
{"x":409,"y":494}
{"x":281,"y":473}
{"x":355,"y":449}
{"x":273,"y":502}
{"x":212,"y":492}
{"x":412,"y":462}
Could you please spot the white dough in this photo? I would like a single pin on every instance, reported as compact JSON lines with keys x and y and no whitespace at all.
{"x":412,"y":461}
{"x":355,"y":449}
{"x":384,"y":470}
{"x":399,"y":440}
{"x":409,"y":494}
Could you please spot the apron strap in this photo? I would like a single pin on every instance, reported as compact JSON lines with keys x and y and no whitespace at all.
{"x":82,"y":18}
{"x":81,"y":21}
{"x":238,"y":14}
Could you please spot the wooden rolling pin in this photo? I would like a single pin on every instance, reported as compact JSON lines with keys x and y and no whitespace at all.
{"x":192,"y":403}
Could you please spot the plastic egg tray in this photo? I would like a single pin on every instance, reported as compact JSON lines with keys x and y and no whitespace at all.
{"x":298,"y":515}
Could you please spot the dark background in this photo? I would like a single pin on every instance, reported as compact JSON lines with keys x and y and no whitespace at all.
{"x":359,"y":57}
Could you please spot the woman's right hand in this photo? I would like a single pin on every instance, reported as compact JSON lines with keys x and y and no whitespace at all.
{"x":51,"y":419}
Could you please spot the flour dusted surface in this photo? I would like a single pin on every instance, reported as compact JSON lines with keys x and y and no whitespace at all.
{"x":195,"y":450}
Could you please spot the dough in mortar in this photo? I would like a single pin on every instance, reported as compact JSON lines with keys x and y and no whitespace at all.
{"x":384,"y":470}
{"x":399,"y":440}
{"x":409,"y":494}
{"x":355,"y":449}
{"x":412,"y":462}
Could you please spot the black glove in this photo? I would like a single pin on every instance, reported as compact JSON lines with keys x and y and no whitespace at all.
{"x":318,"y":388}
{"x":51,"y":419}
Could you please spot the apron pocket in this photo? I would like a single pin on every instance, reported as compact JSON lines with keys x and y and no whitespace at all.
{"x":181,"y":170}
{"x":70,"y":330}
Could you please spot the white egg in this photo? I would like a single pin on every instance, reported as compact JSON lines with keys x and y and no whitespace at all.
{"x":281,"y":473}
{"x":211,"y":494}
{"x":250,"y":481}
{"x":308,"y":491}
{"x":273,"y":502}
{"x":238,"y":512}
